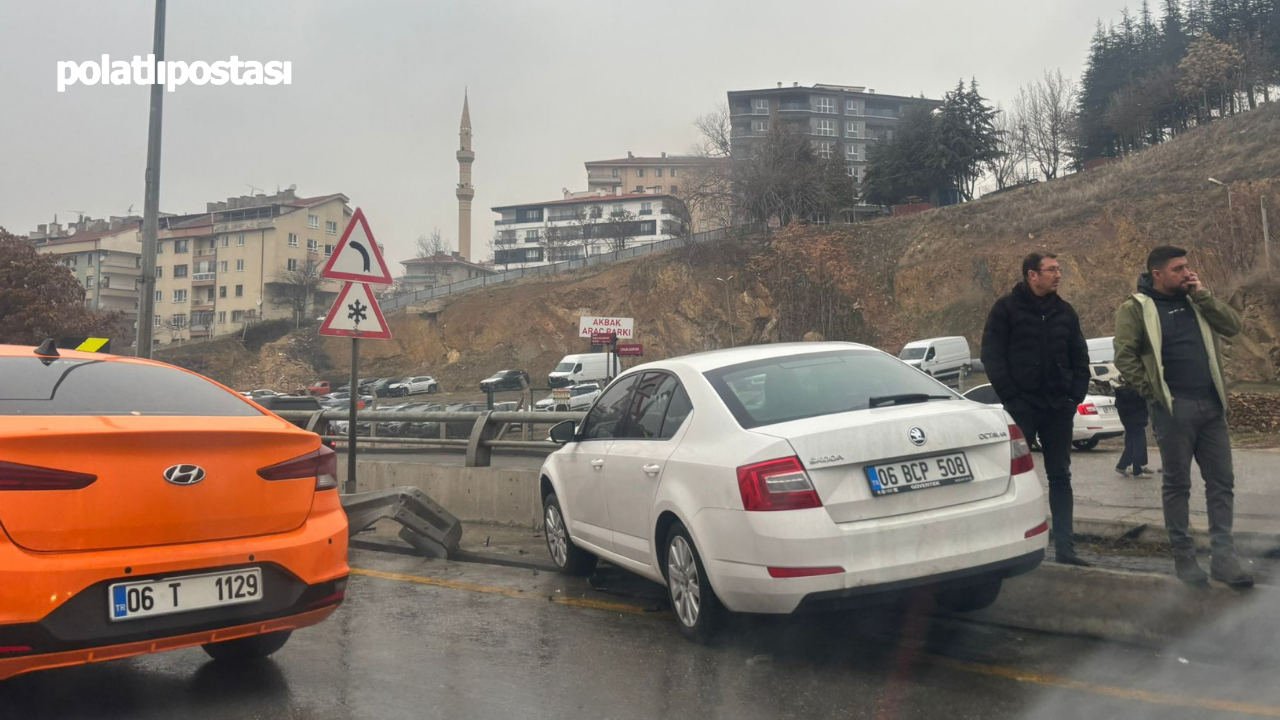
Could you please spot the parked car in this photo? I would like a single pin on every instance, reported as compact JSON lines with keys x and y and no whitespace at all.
{"x":1096,"y":418}
{"x":418,"y":385}
{"x":419,"y":428}
{"x":142,"y":492}
{"x":255,"y":394}
{"x":319,"y":387}
{"x":1101,"y":350}
{"x":587,"y":367}
{"x":505,"y":380}
{"x":306,"y":403}
{"x":342,"y":401}
{"x":580,"y":398}
{"x":850,"y":477}
{"x":382,"y":387}
{"x":462,"y":429}
{"x":943,"y":357}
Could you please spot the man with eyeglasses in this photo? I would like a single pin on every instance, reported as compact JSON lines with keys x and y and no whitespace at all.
{"x":1167,"y":348}
{"x":1038,"y":363}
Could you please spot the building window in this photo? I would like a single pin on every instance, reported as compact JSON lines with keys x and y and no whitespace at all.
{"x":639,"y":172}
{"x":657,"y":172}
{"x":529,"y":215}
{"x":312,"y":245}
{"x":181,"y":246}
{"x":240,"y":240}
{"x":240,"y":266}
{"x":759,"y":126}
{"x":853,"y":152}
{"x":328,"y":250}
{"x":615,"y":172}
{"x":646,"y":208}
{"x":159,"y":296}
{"x":222,"y":316}
{"x":179,"y":271}
{"x":313,"y":221}
{"x":222,"y":291}
{"x":597,"y":211}
{"x":237,"y":316}
{"x":855,"y":172}
{"x":293,"y":239}
{"x":673,"y":172}
{"x":292,"y":264}
{"x":222,"y":266}
{"x":852,"y":129}
{"x":827,"y":127}
{"x":180,"y":320}
{"x":531,"y":236}
{"x":820,"y":218}
{"x":852,"y":107}
{"x":179,"y":296}
{"x":760,"y":106}
{"x":88,"y":283}
{"x":674,"y":189}
{"x":159,"y":271}
{"x":330,"y":228}
{"x":224,"y":241}
{"x":156,"y":320}
{"x":159,"y":247}
{"x":826,"y":105}
{"x":239,"y":291}
{"x":648,"y":227}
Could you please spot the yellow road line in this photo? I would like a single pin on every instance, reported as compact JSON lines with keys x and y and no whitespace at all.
{"x":1107,"y":690}
{"x":997,"y":671}
{"x":505,"y":592}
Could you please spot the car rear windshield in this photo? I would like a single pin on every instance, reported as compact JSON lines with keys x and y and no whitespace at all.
{"x":794,"y":387}
{"x":31,"y":386}
{"x":911,"y":353}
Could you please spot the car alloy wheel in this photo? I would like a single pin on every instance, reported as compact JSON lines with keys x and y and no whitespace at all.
{"x":557,"y":540}
{"x":682,"y":578}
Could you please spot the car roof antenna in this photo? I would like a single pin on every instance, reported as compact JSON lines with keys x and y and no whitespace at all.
{"x":48,"y":348}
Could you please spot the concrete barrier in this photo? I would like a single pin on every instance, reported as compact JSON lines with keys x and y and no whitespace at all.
{"x":474,"y":494}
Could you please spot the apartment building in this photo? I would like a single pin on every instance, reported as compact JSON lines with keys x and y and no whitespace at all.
{"x":658,"y":175}
{"x":421,"y":273}
{"x":105,"y":256}
{"x":581,"y":224}
{"x":842,"y":121}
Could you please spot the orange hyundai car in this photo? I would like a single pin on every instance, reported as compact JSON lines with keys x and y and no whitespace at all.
{"x":145,"y":508}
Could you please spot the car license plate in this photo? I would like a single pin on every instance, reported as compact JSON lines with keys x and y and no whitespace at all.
{"x":918,"y":474}
{"x":148,"y":598}
{"x":1106,"y":409}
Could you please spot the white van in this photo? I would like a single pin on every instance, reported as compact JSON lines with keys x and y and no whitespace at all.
{"x":1101,"y":350}
{"x":589,"y":367}
{"x":942,"y":357}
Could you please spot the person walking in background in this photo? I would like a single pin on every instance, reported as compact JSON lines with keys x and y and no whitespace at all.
{"x":1133,"y":415}
{"x":1167,"y":349}
{"x":1038,"y":363}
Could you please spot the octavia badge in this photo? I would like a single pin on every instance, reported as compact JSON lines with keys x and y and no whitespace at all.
{"x":916,"y":435}
{"x":184,"y":474}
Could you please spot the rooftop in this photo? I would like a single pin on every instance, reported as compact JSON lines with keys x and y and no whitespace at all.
{"x":595,"y":200}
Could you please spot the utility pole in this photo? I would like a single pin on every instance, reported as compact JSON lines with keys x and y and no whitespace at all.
{"x":728,"y":308}
{"x":1266,"y":233}
{"x":151,"y":209}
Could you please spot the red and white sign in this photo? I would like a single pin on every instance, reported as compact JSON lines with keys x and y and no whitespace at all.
{"x":355,"y":314}
{"x":631,"y":350}
{"x":603,"y":338}
{"x":623,"y":328}
{"x":357,"y":257}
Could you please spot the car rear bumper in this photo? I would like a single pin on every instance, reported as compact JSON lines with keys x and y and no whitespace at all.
{"x":971,"y":541}
{"x":1100,"y":426}
{"x":57,"y":603}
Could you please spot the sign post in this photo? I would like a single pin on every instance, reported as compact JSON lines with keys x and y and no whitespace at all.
{"x":355,"y":314}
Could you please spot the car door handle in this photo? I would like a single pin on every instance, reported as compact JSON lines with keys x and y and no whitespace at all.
{"x":652,"y":469}
{"x":597,"y":464}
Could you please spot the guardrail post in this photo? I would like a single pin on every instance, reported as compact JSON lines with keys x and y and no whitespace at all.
{"x":478,"y":453}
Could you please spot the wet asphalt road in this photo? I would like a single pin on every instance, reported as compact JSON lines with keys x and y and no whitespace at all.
{"x":421,"y":639}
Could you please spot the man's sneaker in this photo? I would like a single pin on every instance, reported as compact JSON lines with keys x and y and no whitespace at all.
{"x":1142,"y":473}
{"x":1121,"y":471}
{"x":1188,"y":570}
{"x":1226,"y":569}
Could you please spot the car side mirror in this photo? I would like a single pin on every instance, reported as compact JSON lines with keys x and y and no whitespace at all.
{"x":563,"y":433}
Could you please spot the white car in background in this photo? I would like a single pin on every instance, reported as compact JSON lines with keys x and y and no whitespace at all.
{"x":415,"y":386}
{"x":1096,"y":418}
{"x":580,"y":398}
{"x":773,"y":478}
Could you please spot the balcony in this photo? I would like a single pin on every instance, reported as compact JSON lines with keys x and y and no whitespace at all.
{"x":504,"y":221}
{"x":646,"y":212}
{"x":795,"y":107}
{"x":876,"y":113}
{"x":595,"y":179}
{"x":198,"y":305}
{"x":201,"y":330}
{"x":202,"y":279}
{"x":206,"y":252}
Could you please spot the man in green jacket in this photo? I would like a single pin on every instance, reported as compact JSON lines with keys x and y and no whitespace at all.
{"x":1166,"y":345}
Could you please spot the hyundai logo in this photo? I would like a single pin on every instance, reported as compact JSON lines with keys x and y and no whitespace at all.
{"x":916,"y":435}
{"x":184,"y":474}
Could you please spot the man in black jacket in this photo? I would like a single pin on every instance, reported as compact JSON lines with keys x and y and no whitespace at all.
{"x":1038,"y":363}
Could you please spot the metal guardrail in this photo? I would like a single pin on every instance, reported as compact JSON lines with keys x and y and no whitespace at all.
{"x":487,"y":429}
{"x":407,"y":299}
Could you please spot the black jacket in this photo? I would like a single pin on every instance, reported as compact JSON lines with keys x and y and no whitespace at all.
{"x":1131,"y":406}
{"x":1034,"y":351}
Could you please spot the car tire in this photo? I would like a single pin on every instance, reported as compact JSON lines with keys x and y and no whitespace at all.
{"x":1085,"y":445}
{"x":965,"y":372}
{"x":249,"y":648}
{"x":970,"y":598}
{"x":433,"y":389}
{"x":699,"y":613}
{"x":569,"y":558}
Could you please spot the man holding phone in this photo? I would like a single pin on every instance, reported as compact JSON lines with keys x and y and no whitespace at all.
{"x":1166,"y":343}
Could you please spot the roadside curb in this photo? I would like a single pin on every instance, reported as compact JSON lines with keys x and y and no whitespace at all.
{"x":1253,"y":544}
{"x":1143,"y":608}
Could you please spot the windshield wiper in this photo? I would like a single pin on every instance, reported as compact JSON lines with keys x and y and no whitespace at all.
{"x":904,"y":399}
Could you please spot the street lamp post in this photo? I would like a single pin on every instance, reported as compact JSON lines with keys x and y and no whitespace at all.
{"x":151,"y":201}
{"x":1228,"y":187}
{"x":728,"y":308}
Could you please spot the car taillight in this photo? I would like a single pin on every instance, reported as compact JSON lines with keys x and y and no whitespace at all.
{"x":14,"y":476}
{"x":788,"y":572}
{"x":1040,"y":529}
{"x":321,"y":465}
{"x":1087,"y":409}
{"x":1020,"y":450}
{"x":777,"y":485}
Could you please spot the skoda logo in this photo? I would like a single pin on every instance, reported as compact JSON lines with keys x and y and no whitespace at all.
{"x":184,"y":474}
{"x":916,"y":435}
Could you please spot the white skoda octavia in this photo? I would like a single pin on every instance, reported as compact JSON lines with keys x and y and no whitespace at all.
{"x":777,"y":478}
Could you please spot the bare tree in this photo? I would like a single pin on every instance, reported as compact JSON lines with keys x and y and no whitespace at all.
{"x":294,"y":289}
{"x":556,"y":240}
{"x":1004,"y":167}
{"x":1050,"y":107}
{"x":433,"y":244}
{"x":716,"y":132}
{"x":786,"y":181}
{"x":619,"y":229}
{"x":586,"y":222}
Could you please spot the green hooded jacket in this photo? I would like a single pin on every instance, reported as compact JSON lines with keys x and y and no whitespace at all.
{"x":1138,"y":349}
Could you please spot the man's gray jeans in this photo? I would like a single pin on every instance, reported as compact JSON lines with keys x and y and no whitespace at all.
{"x":1196,"y":429}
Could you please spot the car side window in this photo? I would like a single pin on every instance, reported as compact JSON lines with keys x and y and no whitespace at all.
{"x":577,"y":368}
{"x":678,"y":410}
{"x":649,"y":405}
{"x":985,"y":395}
{"x":606,"y":419}
{"x":933,"y":352}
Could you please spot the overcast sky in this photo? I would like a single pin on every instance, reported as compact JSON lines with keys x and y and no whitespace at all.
{"x":377,"y":87}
